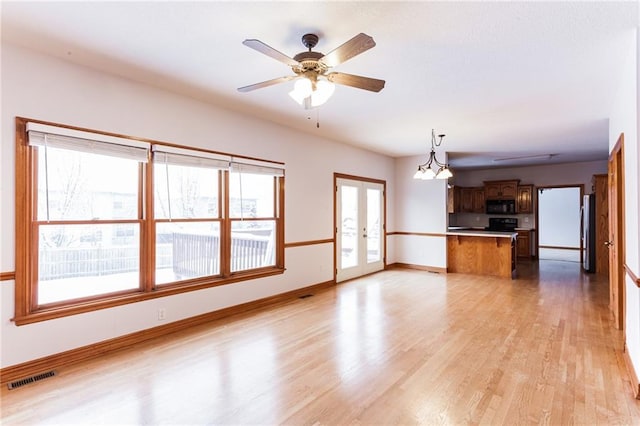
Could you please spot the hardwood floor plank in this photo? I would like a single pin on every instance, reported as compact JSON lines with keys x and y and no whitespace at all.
{"x":397,"y":347}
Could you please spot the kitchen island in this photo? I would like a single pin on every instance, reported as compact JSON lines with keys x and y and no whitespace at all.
{"x":480,"y":252}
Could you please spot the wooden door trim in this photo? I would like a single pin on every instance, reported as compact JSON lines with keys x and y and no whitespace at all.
{"x":617,"y":155}
{"x":383,"y":233}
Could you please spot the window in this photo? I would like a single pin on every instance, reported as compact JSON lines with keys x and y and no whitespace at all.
{"x":187,"y":228}
{"x":253,"y":214}
{"x":100,"y":225}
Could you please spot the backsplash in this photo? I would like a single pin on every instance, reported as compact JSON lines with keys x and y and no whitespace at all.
{"x":482,"y":220}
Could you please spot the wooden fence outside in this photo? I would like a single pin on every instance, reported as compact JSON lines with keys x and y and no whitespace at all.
{"x":189,"y":255}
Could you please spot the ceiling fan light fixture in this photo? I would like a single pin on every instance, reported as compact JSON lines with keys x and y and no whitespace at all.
{"x":302,"y":89}
{"x":324,"y":90}
{"x":311,"y":94}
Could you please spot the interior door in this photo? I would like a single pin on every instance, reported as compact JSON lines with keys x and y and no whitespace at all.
{"x":616,"y":235}
{"x":359,"y":228}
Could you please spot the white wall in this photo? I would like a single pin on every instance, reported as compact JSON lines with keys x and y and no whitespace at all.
{"x":45,"y":88}
{"x":624,"y":119}
{"x":424,"y":210}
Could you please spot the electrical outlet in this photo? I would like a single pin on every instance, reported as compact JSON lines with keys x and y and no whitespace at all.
{"x":526,"y":220}
{"x":162,"y":314}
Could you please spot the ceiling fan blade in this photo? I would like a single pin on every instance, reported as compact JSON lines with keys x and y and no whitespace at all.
{"x":266,"y":83}
{"x":357,"y":45}
{"x":270,"y":51}
{"x":357,"y":81}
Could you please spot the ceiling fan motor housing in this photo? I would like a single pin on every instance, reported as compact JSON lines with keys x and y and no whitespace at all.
{"x":310,"y":41}
{"x":309,"y":61}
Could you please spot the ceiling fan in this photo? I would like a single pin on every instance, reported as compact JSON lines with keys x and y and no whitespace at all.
{"x":315,"y":84}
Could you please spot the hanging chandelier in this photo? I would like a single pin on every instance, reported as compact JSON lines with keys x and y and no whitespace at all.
{"x":433,"y":169}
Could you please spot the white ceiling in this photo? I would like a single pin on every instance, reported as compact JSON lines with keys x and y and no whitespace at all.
{"x":501,"y":79}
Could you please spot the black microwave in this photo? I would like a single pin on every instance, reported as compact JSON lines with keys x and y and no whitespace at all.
{"x":501,"y":206}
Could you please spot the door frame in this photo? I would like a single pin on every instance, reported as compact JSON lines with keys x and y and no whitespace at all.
{"x":383,"y":235}
{"x":537,"y":213}
{"x":616,"y":213}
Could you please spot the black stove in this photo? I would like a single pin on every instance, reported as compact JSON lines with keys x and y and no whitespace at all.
{"x":502,"y":224}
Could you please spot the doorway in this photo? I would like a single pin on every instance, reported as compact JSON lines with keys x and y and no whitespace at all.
{"x":359,"y":226}
{"x":559,"y":223}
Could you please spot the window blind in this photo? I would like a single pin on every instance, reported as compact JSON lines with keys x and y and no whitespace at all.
{"x":94,"y":143}
{"x":188,"y":157}
{"x":257,"y":167}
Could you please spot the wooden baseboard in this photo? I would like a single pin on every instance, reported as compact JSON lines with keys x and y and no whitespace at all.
{"x":418,"y":267}
{"x":560,"y":248}
{"x":95,"y":350}
{"x":633,"y":377}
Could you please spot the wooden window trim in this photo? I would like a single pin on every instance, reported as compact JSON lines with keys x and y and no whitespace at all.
{"x":26,"y":309}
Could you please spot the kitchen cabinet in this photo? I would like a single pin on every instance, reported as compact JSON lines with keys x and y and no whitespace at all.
{"x":501,"y":189}
{"x":524,"y":200}
{"x":482,"y":253}
{"x":471,"y":200}
{"x":478,"y":200}
{"x":453,"y":199}
{"x":523,"y":243}
{"x":466,"y":200}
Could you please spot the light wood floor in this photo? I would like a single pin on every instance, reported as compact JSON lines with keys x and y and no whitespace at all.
{"x":398,"y":347}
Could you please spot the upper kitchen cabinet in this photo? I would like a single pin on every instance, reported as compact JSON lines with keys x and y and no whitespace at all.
{"x":524,"y":200}
{"x":501,"y":189}
{"x":453,"y":199}
{"x":466,"y":200}
{"x":471,"y":200}
{"x":478,"y":200}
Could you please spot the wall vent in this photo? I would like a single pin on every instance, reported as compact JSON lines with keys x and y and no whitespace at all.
{"x":31,"y":379}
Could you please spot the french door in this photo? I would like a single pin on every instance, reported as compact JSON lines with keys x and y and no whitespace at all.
{"x":360,"y":238}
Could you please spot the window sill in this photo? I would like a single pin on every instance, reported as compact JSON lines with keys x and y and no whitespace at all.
{"x":49,"y":313}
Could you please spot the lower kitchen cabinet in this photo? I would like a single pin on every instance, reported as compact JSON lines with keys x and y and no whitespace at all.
{"x":523,"y":243}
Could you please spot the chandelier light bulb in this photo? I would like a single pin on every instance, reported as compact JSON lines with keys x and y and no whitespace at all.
{"x":428,"y":174}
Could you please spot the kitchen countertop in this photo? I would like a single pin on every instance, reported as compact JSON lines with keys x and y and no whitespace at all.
{"x":471,"y":232}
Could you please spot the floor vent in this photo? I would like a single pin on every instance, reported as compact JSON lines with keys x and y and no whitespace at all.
{"x":31,"y":379}
{"x":305,"y":296}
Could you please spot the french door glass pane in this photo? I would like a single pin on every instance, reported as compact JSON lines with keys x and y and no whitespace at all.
{"x":349,"y":223}
{"x":252,"y":244}
{"x":75,"y":185}
{"x":187,"y":250}
{"x":373,"y":225}
{"x":76,"y":261}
